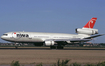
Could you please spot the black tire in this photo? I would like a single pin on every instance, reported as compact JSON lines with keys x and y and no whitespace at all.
{"x":59,"y":47}
{"x":52,"y":47}
{"x":16,"y":47}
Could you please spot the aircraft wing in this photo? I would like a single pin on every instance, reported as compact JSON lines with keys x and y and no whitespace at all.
{"x":94,"y":36}
{"x":75,"y":39}
{"x":71,"y":40}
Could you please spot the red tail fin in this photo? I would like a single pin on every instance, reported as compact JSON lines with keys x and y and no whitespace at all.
{"x":91,"y":23}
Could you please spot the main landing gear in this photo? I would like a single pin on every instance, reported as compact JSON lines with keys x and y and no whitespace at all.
{"x":56,"y":47}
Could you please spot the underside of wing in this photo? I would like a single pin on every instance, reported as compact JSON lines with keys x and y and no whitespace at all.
{"x":71,"y":40}
{"x":74,"y":40}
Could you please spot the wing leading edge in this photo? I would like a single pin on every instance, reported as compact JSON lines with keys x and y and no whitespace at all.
{"x":75,"y":39}
{"x":71,"y":40}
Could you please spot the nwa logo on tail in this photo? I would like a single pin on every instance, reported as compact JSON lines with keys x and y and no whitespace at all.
{"x":88,"y":28}
{"x":91,"y":23}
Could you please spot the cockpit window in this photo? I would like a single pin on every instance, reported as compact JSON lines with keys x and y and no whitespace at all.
{"x":5,"y":34}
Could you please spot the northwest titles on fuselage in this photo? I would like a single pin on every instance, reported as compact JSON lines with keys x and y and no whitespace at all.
{"x":22,"y":35}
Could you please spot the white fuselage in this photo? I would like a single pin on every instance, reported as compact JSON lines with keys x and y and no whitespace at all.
{"x":38,"y":36}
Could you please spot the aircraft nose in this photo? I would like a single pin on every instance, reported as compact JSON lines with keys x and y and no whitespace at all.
{"x":2,"y":37}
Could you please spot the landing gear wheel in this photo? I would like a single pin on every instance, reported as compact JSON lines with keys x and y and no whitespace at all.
{"x":59,"y":47}
{"x":16,"y":47}
{"x":52,"y":47}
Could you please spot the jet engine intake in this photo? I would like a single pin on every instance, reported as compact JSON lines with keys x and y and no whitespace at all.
{"x":49,"y":43}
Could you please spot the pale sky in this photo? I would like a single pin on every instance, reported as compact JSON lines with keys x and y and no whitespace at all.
{"x":57,"y":16}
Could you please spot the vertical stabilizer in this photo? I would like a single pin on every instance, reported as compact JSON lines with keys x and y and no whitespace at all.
{"x":91,"y":23}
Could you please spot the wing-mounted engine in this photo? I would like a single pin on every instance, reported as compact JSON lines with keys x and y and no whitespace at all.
{"x":87,"y":31}
{"x":49,"y":43}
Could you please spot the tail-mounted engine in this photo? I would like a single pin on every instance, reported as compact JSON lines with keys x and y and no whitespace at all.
{"x":87,"y":31}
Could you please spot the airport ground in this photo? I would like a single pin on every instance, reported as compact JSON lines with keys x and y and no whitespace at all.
{"x":28,"y":55}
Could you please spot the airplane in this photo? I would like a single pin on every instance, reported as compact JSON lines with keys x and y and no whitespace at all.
{"x":54,"y":40}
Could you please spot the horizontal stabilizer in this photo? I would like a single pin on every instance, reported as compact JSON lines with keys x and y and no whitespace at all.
{"x":94,"y":36}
